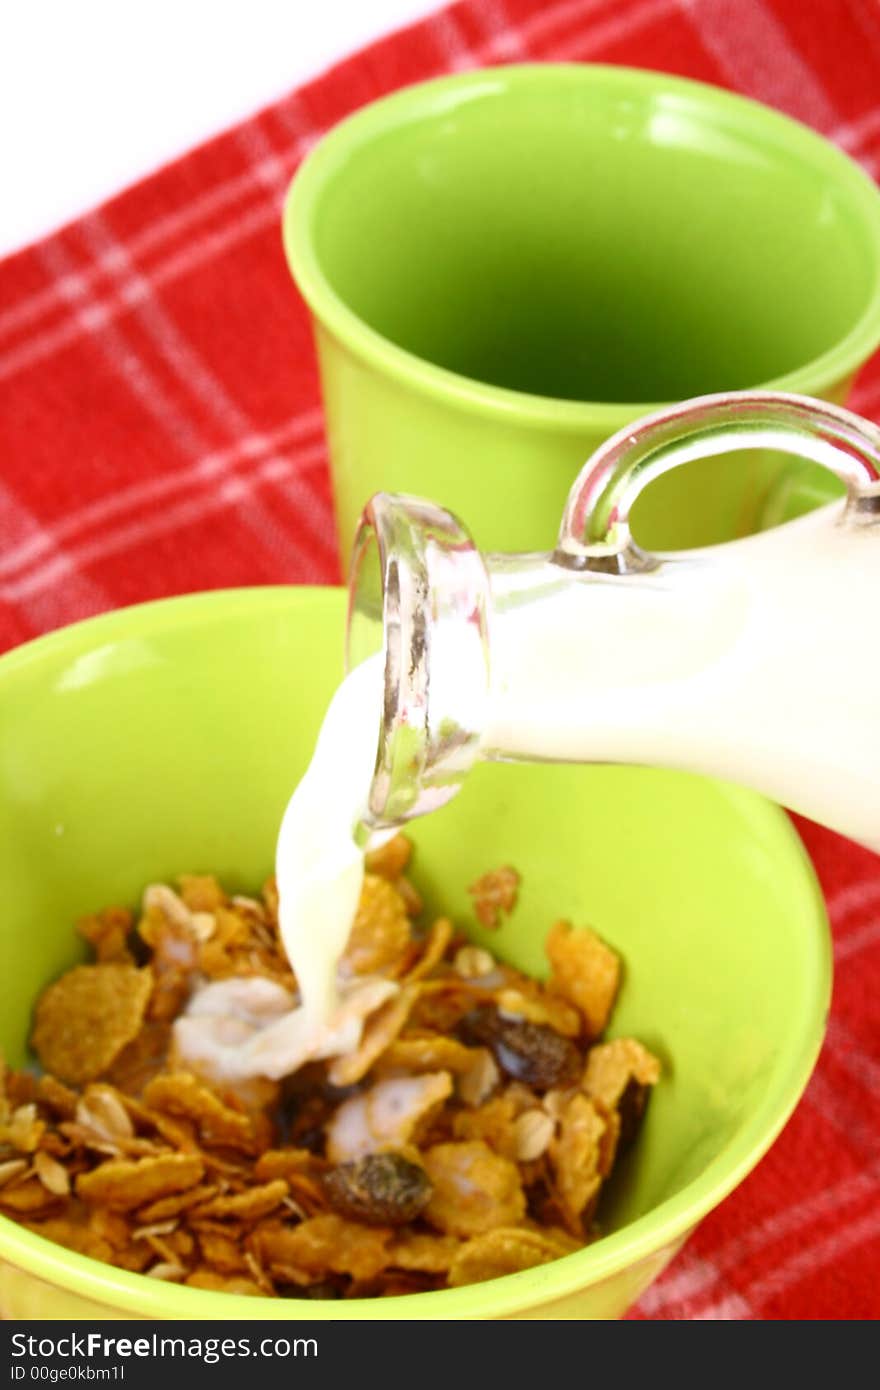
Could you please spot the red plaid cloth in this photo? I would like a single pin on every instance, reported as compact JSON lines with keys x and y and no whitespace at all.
{"x":162,"y":433}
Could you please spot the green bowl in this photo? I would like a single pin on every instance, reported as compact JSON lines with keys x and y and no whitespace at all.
{"x":506,"y":266}
{"x":168,"y":737}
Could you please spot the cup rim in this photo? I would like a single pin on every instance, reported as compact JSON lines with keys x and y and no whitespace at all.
{"x":661,"y":1226}
{"x":766,"y":126}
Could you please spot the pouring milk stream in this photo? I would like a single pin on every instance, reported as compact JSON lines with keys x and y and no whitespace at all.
{"x":757,"y":661}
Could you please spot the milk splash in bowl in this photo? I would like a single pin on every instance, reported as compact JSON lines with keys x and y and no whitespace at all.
{"x":241,"y":1028}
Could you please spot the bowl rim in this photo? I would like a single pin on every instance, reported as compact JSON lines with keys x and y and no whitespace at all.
{"x":768,"y":129}
{"x":657,"y":1230}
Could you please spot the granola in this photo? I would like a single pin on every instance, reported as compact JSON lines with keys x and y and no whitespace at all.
{"x":467,"y":1136}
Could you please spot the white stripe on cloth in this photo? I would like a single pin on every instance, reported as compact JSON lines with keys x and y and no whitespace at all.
{"x":755,"y":54}
{"x":164,"y":228}
{"x":201,"y":383}
{"x":551,"y":17}
{"x":74,"y":288}
{"x":601,"y":34}
{"x":688,"y":1277}
{"x":842,"y":1113}
{"x":867,"y":398}
{"x":74,"y":596}
{"x":857,"y":941}
{"x":848,"y":1054}
{"x":853,"y":135}
{"x":459,"y":56}
{"x":810,"y":1260}
{"x":121,"y":360}
{"x":732,"y":1308}
{"x":853,"y":898}
{"x":456,"y":55}
{"x":693,"y":1275}
{"x":212,"y":467}
{"x":269,"y":166}
{"x":232,"y":492}
{"x":502,"y":37}
{"x":290,"y":114}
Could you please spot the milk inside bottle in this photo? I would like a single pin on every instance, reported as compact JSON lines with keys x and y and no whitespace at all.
{"x":756,"y":661}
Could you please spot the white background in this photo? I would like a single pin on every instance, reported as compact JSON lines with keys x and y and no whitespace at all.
{"x":94,"y":94}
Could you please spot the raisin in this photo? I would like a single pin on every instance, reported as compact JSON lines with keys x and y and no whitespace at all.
{"x":529,"y":1052}
{"x":382,"y":1189}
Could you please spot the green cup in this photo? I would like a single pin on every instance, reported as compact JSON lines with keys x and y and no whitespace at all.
{"x":145,"y":743}
{"x":506,"y":266}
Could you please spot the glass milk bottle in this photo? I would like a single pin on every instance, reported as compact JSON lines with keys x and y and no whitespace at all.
{"x":757,"y":660}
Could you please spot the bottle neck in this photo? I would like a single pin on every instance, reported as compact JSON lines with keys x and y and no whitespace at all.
{"x":419,"y":593}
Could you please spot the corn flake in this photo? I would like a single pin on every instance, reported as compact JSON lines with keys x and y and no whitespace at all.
{"x":167,"y":1207}
{"x":474,"y":1189}
{"x":428,"y":1253}
{"x":506,"y":1250}
{"x":284,"y":1163}
{"x":543,"y":1008}
{"x":135,"y":1257}
{"x":494,"y":1123}
{"x":26,"y":1197}
{"x":324,"y":1245}
{"x":183,"y":1096}
{"x":429,"y":1052}
{"x":222,"y":1253}
{"x":74,"y":1235}
{"x":84,"y":1020}
{"x":613,"y":1065}
{"x":110,"y":1226}
{"x":380,"y":935}
{"x":60,"y":1099}
{"x":249,"y":1205}
{"x":435,"y":947}
{"x":123,"y":1184}
{"x":141,"y":1059}
{"x":585,"y":971}
{"x":201,"y":892}
{"x":390,"y":859}
{"x":577,"y":1156}
{"x":380,"y":1031}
